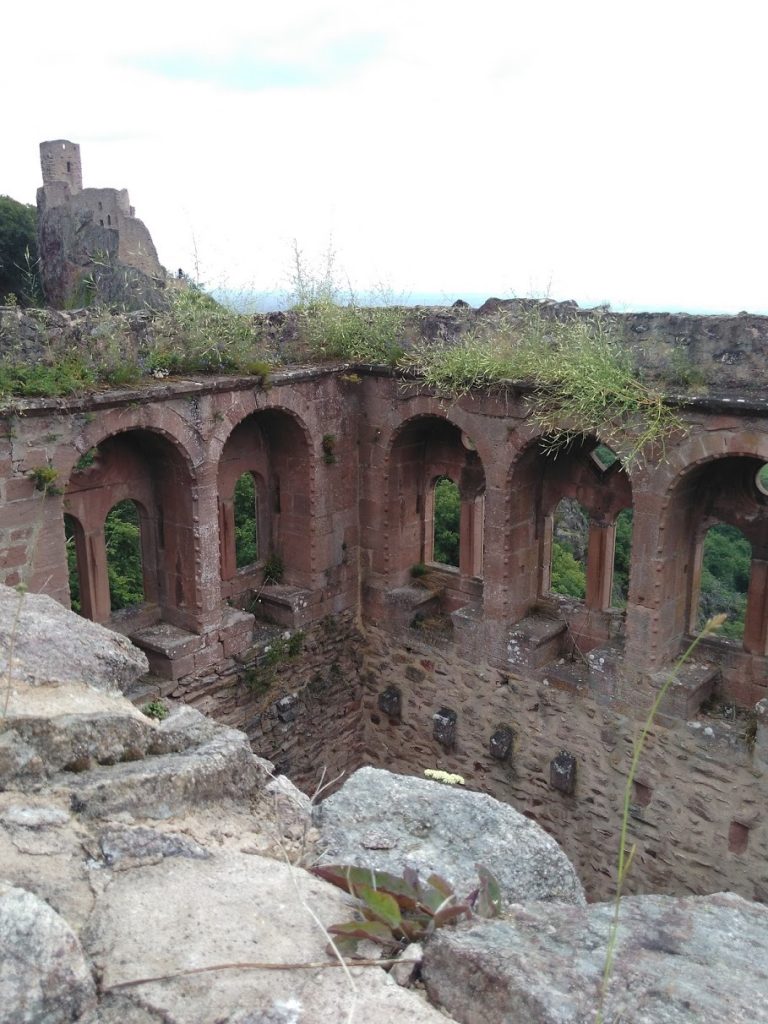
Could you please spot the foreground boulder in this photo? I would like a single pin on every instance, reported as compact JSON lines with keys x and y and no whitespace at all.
{"x":43,"y":643}
{"x":389,"y":822}
{"x":678,"y":960}
{"x":43,"y":973}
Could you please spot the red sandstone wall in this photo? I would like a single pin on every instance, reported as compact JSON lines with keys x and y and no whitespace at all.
{"x":349,"y":528}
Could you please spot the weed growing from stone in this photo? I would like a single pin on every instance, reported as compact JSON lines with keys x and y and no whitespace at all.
{"x":581,"y":379}
{"x":399,"y":909}
{"x":156,"y":709}
{"x":44,"y":478}
{"x":274,"y":569}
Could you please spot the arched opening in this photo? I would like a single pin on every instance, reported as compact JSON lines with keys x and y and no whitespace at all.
{"x":570,"y":542}
{"x":73,"y":540}
{"x":266,"y":516}
{"x":446,"y":520}
{"x":435,"y":506}
{"x":726,"y":558}
{"x":246,"y":511}
{"x":135,"y":542}
{"x":122,"y":539}
{"x":622,"y":558}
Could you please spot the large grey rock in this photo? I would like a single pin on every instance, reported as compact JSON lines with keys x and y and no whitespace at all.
{"x":49,"y":644}
{"x":386,"y":821}
{"x":678,"y":960}
{"x":44,"y":978}
{"x":232,"y":909}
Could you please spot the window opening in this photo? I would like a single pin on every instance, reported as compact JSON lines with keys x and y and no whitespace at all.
{"x":725,"y":569}
{"x":603,"y":457}
{"x":246,"y":506}
{"x":122,"y":536}
{"x":446,"y":520}
{"x":570,"y":538}
{"x":73,"y":566}
{"x":622,"y":556}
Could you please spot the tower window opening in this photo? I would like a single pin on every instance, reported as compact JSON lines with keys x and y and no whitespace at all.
{"x":725,"y":569}
{"x":122,"y":536}
{"x":570,"y":538}
{"x":446,"y":522}
{"x":246,"y":506}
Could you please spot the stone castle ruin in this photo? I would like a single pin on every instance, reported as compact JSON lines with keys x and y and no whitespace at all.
{"x":91,"y":244}
{"x":343,"y":643}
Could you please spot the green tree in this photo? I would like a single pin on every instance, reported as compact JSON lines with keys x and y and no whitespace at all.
{"x":568,"y":575}
{"x":725,"y":578}
{"x":447,"y":515}
{"x":246,"y":523}
{"x":18,"y":252}
{"x":122,"y":535}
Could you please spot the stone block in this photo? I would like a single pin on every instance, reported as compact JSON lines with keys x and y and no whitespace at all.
{"x":444,"y":727}
{"x":562,"y":773}
{"x":390,"y":703}
{"x":501,"y":743}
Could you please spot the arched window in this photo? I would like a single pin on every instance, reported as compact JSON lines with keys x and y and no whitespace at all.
{"x":122,"y":537}
{"x":246,"y":509}
{"x":622,"y":556}
{"x":725,"y":567}
{"x":446,"y":521}
{"x":570,"y":539}
{"x":72,"y":533}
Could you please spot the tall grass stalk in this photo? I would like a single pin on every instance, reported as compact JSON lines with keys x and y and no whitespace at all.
{"x":627,"y":853}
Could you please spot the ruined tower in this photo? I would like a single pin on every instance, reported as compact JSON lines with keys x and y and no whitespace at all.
{"x":91,"y":244}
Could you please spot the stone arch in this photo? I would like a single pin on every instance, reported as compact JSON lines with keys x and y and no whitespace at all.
{"x":537,"y":482}
{"x":272,"y":444}
{"x":152,"y":469}
{"x":423,"y":447}
{"x":718,"y":484}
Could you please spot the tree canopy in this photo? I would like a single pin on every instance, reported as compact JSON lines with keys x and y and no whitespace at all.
{"x":18,"y":251}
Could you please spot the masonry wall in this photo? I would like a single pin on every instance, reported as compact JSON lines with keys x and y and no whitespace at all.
{"x":348,"y":463}
{"x":698,"y":809}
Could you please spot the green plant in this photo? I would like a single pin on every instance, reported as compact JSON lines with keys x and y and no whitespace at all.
{"x":273,"y":569}
{"x":44,"y":478}
{"x":581,"y":378}
{"x":156,"y":709}
{"x":396,"y":910}
{"x":418,"y":571}
{"x":626,"y":853}
{"x":86,"y":460}
{"x":328,"y":445}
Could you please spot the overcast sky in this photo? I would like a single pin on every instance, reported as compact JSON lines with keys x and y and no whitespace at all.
{"x":599,"y":151}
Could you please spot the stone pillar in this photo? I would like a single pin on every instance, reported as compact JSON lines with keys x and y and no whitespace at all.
{"x":600,"y":550}
{"x":756,"y":619}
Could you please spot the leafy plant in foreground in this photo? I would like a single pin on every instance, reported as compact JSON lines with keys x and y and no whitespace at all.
{"x":397,"y":910}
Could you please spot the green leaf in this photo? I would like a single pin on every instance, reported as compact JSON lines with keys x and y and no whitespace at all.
{"x":376,"y":931}
{"x":383,"y":906}
{"x":489,"y":896}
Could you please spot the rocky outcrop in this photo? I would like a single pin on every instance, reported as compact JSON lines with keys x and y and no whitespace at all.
{"x":151,"y":875}
{"x":386,"y":821}
{"x":677,"y":961}
{"x":41,"y":646}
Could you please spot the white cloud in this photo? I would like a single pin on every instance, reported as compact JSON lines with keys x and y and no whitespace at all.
{"x":596,"y":150}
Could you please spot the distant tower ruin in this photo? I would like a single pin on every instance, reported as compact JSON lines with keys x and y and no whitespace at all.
{"x":92,"y":246}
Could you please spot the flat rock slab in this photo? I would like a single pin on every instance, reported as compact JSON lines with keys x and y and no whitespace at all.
{"x":389,"y":822}
{"x":231,"y":908}
{"x":41,"y":642}
{"x":678,"y":960}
